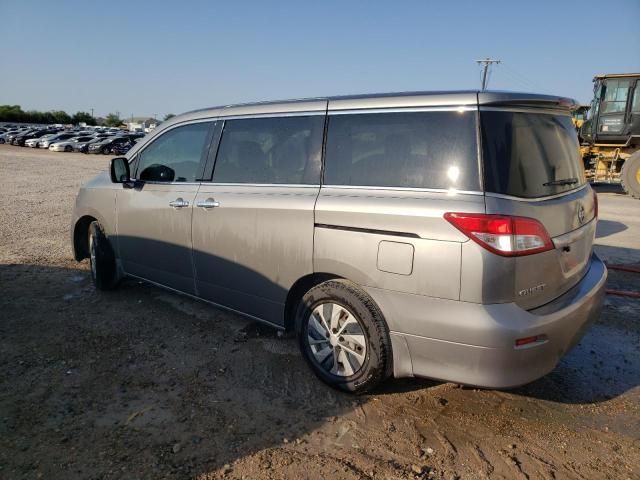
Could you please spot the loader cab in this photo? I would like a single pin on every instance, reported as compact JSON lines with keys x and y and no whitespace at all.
{"x":614,"y":116}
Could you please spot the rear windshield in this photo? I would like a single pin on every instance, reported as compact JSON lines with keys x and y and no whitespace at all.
{"x":530,"y":154}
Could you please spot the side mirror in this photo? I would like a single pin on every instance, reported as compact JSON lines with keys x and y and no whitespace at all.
{"x":120,"y":172}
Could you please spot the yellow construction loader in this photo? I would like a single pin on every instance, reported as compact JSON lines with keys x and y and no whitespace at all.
{"x":610,"y":134}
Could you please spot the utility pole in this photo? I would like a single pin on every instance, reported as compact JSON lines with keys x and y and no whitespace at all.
{"x":92,"y":112}
{"x":486,"y":63}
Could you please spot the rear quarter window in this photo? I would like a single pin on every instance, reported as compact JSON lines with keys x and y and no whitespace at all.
{"x":434,"y":150}
{"x":524,"y":153}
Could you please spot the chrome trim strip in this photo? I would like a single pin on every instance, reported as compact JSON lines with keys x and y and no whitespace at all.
{"x":537,"y":199}
{"x":351,"y":111}
{"x":253,"y":317}
{"x":547,"y":111}
{"x":451,"y":191}
{"x":272,"y":115}
{"x":273,"y":185}
{"x":152,"y":182}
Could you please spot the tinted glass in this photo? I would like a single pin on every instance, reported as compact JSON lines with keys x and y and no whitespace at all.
{"x":270,"y":150}
{"x":411,"y":150}
{"x":175,"y":155}
{"x":635,"y":105}
{"x":523,"y":152}
{"x":615,"y":96}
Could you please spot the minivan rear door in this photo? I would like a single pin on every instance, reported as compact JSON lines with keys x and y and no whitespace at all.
{"x":532,"y":168}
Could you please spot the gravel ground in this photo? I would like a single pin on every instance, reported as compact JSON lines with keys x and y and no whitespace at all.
{"x":141,"y":383}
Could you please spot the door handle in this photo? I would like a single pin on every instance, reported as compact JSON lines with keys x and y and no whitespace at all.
{"x":179,"y":203}
{"x":208,"y":203}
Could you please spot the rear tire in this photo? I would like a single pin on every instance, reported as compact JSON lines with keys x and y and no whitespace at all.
{"x":344,"y":337}
{"x":101,"y":259}
{"x":630,"y":175}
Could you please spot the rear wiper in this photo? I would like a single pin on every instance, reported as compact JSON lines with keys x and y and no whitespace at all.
{"x":563,"y":181}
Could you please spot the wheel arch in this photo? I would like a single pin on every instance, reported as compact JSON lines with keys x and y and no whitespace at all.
{"x":297,"y":291}
{"x":81,"y":237}
{"x":80,"y":231}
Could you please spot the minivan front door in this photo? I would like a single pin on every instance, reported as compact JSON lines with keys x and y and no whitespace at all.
{"x":154,"y":218}
{"x":253,"y":224}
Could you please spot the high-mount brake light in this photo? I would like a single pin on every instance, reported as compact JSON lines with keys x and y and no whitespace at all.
{"x":504,"y":235}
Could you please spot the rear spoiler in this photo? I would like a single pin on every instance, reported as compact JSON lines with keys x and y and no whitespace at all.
{"x":526,"y":100}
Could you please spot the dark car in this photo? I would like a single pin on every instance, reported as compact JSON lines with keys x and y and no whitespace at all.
{"x":82,"y":146}
{"x":12,"y":137}
{"x":20,"y":139}
{"x":122,"y":148}
{"x":107,"y":144}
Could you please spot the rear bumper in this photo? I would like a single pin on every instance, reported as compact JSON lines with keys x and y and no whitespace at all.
{"x":474,"y":344}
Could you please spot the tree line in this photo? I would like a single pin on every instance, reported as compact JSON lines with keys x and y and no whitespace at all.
{"x":14,"y":113}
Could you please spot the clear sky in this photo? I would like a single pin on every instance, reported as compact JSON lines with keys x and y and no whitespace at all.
{"x":156,"y":57}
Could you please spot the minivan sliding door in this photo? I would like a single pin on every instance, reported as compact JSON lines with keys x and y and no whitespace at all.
{"x":253,"y":223}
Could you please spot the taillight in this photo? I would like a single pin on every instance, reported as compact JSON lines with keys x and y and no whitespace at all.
{"x":595,"y":204}
{"x":501,"y":234}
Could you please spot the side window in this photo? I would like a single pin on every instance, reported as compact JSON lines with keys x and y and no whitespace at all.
{"x":175,"y":155}
{"x":410,"y":150}
{"x":615,"y":96}
{"x":275,"y":150}
{"x":635,"y":105}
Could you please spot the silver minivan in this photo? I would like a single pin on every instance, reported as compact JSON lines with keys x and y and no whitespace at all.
{"x":435,"y":234}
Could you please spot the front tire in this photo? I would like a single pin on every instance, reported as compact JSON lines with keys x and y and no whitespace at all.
{"x":344,"y":337}
{"x":630,"y":175}
{"x":68,"y":148}
{"x":101,"y":259}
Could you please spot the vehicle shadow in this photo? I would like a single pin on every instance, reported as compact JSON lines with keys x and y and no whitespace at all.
{"x":140,"y":380}
{"x":608,"y":188}
{"x":609,"y":227}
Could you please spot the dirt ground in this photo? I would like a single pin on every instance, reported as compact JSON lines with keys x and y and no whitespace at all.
{"x":141,"y":383}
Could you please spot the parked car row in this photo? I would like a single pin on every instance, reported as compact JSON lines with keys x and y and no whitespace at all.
{"x":58,"y":139}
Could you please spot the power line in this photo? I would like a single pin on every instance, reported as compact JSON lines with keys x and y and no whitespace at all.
{"x":527,"y":81}
{"x":486,"y":63}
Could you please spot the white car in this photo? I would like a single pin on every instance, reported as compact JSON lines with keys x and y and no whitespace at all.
{"x":35,"y":142}
{"x":67,"y":145}
{"x":58,"y":137}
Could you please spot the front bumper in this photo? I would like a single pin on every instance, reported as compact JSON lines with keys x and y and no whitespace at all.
{"x":474,"y":344}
